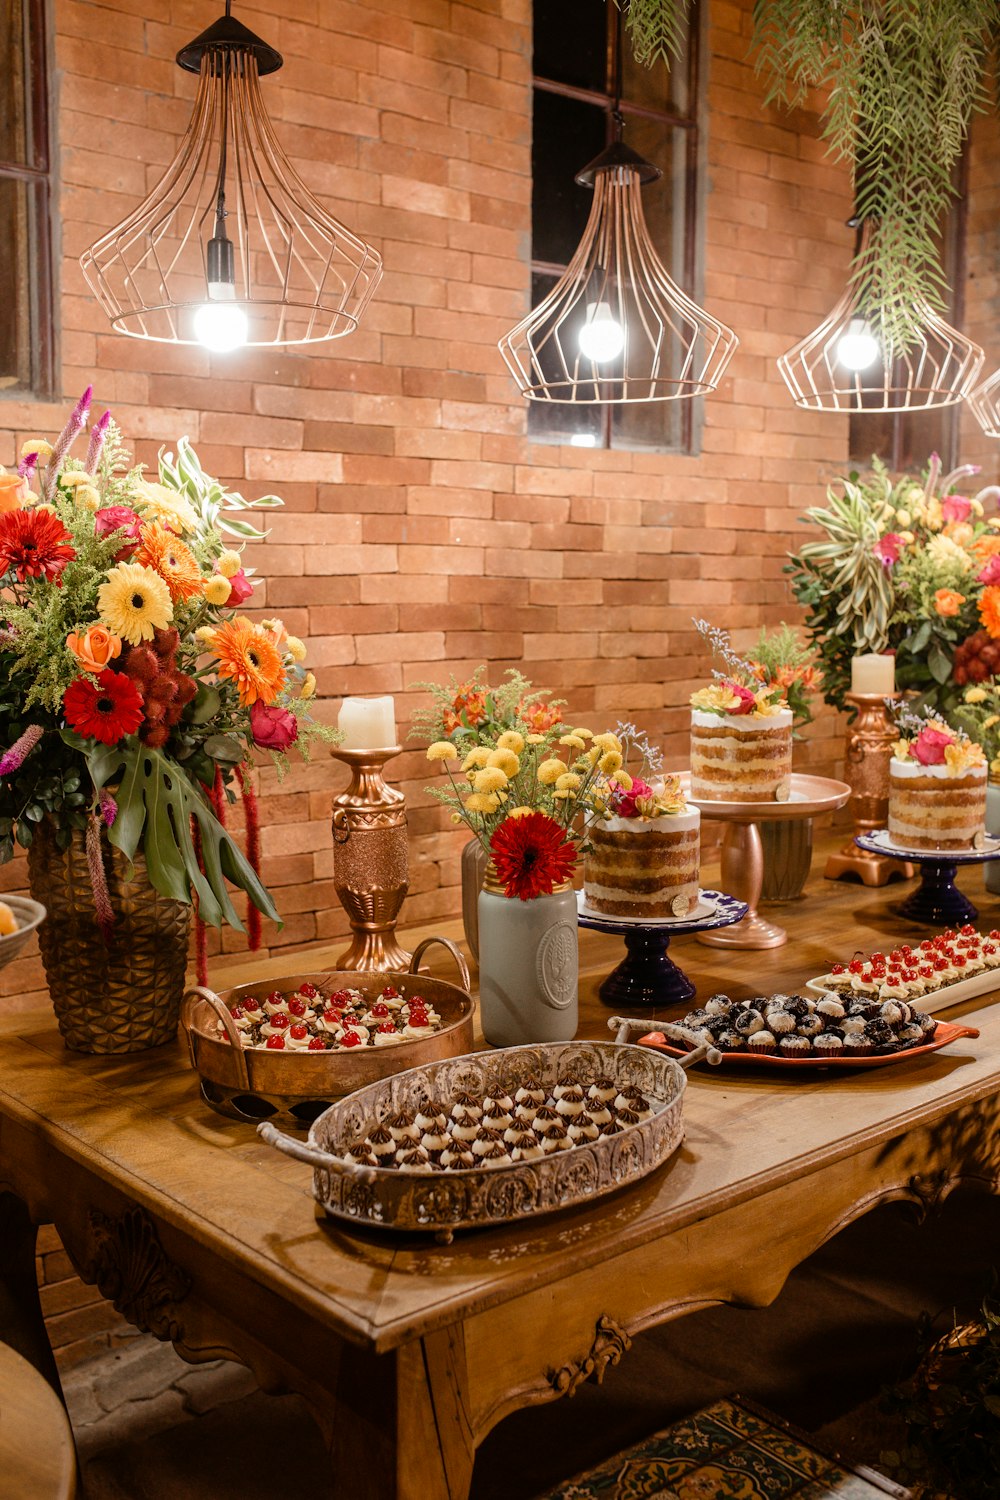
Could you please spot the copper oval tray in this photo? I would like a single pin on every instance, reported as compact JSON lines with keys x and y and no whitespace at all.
{"x":474,"y":1197}
{"x":945,"y":1033}
{"x":254,"y":1084}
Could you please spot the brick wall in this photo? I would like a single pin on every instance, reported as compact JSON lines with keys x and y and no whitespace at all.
{"x":423,"y":533}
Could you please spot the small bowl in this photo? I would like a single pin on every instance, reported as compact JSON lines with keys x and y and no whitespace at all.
{"x":28,"y":914}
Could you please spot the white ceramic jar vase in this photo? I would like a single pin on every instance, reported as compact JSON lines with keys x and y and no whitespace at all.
{"x":529,"y":966}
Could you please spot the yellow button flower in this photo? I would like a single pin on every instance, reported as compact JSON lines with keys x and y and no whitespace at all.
{"x":520,"y":812}
{"x":584,"y":734}
{"x":506,"y":760}
{"x":477,"y":757}
{"x":607,"y":742}
{"x":87,"y":496}
{"x":38,"y":446}
{"x":308,"y":685}
{"x":297,"y":650}
{"x":539,"y":739}
{"x":442,"y":750}
{"x":550,"y":771}
{"x":610,"y":762}
{"x":229,"y":563}
{"x":574,"y":741}
{"x":482,"y":802}
{"x":490,"y":779}
{"x":217,"y":589}
{"x":975,"y":695}
{"x":623,"y":779}
{"x":511,"y":740}
{"x":70,"y":480}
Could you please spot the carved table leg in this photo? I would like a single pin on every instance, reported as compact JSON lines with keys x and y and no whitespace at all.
{"x":22,"y":1325}
{"x":399,"y":1428}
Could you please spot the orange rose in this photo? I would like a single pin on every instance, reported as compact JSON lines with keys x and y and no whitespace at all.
{"x":948,"y":602}
{"x":94,"y":650}
{"x":960,"y":532}
{"x":13,"y":492}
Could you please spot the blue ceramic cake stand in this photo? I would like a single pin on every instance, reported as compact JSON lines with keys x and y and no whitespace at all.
{"x":647,"y":975}
{"x":937,"y":900}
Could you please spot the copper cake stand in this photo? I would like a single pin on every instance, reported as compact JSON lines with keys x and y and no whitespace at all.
{"x":743,"y":853}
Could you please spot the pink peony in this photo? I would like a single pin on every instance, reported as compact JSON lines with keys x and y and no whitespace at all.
{"x":747,"y":702}
{"x":273,"y":728}
{"x":929,"y":746}
{"x":625,"y":801}
{"x":888,"y":548}
{"x":990,"y":573}
{"x":240,"y":588}
{"x":955,"y":508}
{"x":119,"y":518}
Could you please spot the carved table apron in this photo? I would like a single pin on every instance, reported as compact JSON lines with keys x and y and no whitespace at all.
{"x":409,"y":1352}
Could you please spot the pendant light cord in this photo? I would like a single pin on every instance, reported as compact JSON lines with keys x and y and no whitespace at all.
{"x":617,"y":119}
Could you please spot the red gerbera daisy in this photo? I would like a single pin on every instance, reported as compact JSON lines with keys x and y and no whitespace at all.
{"x":33,"y":545}
{"x":532,"y":855}
{"x":105,"y":708}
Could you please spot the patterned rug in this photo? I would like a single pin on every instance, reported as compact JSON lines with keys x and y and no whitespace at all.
{"x":726,"y":1452}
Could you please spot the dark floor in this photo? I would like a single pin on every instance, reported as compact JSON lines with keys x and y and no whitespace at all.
{"x":152,"y":1428}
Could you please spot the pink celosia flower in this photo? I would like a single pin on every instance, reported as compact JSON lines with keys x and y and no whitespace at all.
{"x":930,"y":744}
{"x":955,"y":508}
{"x":64,"y":442}
{"x":888,"y":548}
{"x":18,"y":753}
{"x":107,"y":806}
{"x":97,"y":435}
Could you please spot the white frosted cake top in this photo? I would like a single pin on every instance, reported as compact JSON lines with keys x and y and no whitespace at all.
{"x":669,"y":823}
{"x":908,"y":767}
{"x":742,"y":723}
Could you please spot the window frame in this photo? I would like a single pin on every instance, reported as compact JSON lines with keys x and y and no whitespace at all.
{"x":37,"y":172}
{"x":691,"y":121}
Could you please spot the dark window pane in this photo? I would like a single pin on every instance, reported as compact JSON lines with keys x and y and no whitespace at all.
{"x":12,"y":90}
{"x":655,"y":86}
{"x":567,"y":135}
{"x":17,"y":208}
{"x":571,"y":42}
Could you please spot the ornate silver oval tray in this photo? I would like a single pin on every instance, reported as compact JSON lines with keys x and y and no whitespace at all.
{"x":443,"y":1201}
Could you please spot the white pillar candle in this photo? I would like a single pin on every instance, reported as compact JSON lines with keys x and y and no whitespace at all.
{"x":873,"y":675}
{"x":367,"y":724}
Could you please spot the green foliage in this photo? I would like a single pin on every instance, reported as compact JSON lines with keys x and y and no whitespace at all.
{"x":902,"y":79}
{"x":473,"y":713}
{"x":212,"y":502}
{"x":656,"y":29}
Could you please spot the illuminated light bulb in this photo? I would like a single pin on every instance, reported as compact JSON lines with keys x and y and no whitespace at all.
{"x":858,"y":347}
{"x":221,"y":326}
{"x":602,"y":337}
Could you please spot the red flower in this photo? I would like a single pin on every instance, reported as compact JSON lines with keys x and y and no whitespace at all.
{"x":240,"y":589}
{"x":747,"y":702}
{"x":930,"y":744}
{"x":33,"y":543}
{"x":888,"y":549}
{"x":119,"y":518}
{"x":624,"y":802}
{"x":106,"y":708}
{"x":532,"y":855}
{"x":273,"y":728}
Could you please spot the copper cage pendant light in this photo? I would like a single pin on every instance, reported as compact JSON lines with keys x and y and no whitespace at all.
{"x":231,"y":247}
{"x":984,"y":403}
{"x":843,"y":366}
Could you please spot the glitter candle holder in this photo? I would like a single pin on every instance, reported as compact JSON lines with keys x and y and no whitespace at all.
{"x":868,"y":750}
{"x":370,"y":861}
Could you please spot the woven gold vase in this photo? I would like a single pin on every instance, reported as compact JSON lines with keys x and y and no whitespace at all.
{"x":121,"y":996}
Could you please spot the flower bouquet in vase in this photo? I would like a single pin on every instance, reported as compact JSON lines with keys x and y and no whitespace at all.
{"x":132,"y":696}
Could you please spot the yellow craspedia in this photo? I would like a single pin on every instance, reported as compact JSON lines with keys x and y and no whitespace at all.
{"x":520,"y":812}
{"x":539,"y":739}
{"x":550,"y":771}
{"x":297,"y":651}
{"x":506,"y":760}
{"x":610,"y":762}
{"x":990,"y":720}
{"x":561,"y":794}
{"x":511,"y":740}
{"x":490,"y":779}
{"x":308,"y":685}
{"x":229,"y":563}
{"x":569,"y":782}
{"x":74,"y":477}
{"x":217,"y":589}
{"x":607,"y":742}
{"x":975,"y":695}
{"x":87,"y":496}
{"x":584,"y":734}
{"x":622,"y":779}
{"x":574,"y":741}
{"x":482,"y":802}
{"x":442,"y":750}
{"x":205,"y":635}
{"x":477,"y":757}
{"x":38,"y":446}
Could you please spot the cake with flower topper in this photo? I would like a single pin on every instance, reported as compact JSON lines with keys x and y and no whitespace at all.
{"x":741,"y":732}
{"x":937,"y":786}
{"x":643,"y":856}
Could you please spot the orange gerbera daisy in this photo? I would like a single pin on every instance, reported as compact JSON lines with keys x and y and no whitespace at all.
{"x":989,"y":609}
{"x":250,"y":658}
{"x":985,"y":547}
{"x":167,"y":555}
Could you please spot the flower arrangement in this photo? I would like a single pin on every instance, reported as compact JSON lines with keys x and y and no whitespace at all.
{"x":927,"y":739}
{"x":132,"y":692}
{"x":768,"y":685}
{"x":472,"y":712}
{"x":978,"y":716}
{"x":911,"y":568}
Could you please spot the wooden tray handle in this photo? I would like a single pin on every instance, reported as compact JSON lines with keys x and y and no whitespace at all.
{"x":200,"y":992}
{"x":312,"y":1154}
{"x":623,"y":1027}
{"x":455,"y":952}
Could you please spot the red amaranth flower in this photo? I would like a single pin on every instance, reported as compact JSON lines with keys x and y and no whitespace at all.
{"x":532,"y":855}
{"x":105,"y":708}
{"x":34,"y":544}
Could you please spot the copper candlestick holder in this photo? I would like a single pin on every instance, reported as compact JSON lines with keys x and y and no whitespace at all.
{"x":370,"y":861}
{"x":868,"y":748}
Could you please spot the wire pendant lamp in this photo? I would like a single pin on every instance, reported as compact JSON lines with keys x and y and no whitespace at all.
{"x":231,"y":247}
{"x":843,"y":366}
{"x":985,"y":405}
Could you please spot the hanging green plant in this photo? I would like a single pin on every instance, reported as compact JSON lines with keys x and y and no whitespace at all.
{"x":656,"y":28}
{"x":902,"y":79}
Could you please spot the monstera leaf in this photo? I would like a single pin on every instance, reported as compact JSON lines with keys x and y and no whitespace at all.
{"x":156,"y":803}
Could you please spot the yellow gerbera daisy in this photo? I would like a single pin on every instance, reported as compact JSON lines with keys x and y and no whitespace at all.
{"x":506,"y":760}
{"x":156,"y":502}
{"x":610,"y":762}
{"x":491,"y":779}
{"x":442,"y":750}
{"x":482,"y":802}
{"x":476,"y":759}
{"x":569,"y":782}
{"x":550,"y":770}
{"x":511,"y":740}
{"x":134,"y":602}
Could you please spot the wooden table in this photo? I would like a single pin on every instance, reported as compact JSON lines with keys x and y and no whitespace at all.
{"x":410,"y":1352}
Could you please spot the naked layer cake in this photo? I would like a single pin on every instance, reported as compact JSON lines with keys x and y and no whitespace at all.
{"x":643,"y":857}
{"x":937,"y":790}
{"x":740,"y":755}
